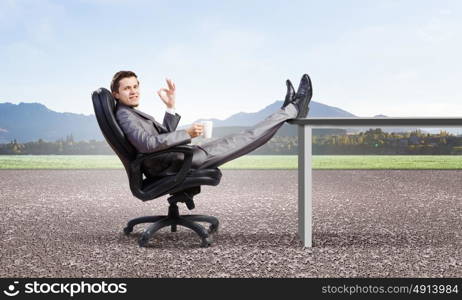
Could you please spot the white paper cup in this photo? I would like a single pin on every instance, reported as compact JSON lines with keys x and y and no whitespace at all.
{"x":208,"y":128}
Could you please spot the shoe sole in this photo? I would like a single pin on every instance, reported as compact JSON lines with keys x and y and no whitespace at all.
{"x":304,"y":105}
{"x":289,"y":99}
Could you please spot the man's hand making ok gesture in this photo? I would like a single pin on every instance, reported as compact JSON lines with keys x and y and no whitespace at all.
{"x":168,"y":95}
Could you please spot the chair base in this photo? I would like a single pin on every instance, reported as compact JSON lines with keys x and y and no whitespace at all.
{"x":173,"y":219}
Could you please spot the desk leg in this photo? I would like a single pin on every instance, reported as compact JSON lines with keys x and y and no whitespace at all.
{"x":304,"y":185}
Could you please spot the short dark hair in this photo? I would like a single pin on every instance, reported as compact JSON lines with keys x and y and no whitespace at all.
{"x":118,"y":77}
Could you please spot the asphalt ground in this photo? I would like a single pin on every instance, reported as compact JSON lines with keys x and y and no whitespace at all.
{"x":366,"y":223}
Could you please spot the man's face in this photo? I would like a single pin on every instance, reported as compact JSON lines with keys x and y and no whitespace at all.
{"x":128,"y":92}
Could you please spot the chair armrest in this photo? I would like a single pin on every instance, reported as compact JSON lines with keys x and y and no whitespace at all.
{"x":187,"y":162}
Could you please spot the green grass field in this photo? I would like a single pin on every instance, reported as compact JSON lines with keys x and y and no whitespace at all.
{"x":246,"y":162}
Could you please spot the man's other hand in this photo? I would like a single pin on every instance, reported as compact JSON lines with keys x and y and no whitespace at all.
{"x":195,"y":130}
{"x":168,"y":95}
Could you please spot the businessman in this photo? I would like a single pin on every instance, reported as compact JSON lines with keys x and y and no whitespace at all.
{"x":147,"y":135}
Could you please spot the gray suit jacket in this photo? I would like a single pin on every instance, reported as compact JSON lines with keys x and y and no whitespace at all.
{"x":147,"y":136}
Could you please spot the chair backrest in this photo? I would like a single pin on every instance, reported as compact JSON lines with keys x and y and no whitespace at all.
{"x":104,"y":105}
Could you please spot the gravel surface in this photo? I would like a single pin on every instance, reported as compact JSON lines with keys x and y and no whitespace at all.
{"x":380,"y":223}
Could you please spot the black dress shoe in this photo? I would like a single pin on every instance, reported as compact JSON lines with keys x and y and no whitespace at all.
{"x":303,"y":96}
{"x":290,"y":94}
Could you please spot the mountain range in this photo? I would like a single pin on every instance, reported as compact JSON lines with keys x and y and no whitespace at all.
{"x":25,"y":122}
{"x":248,"y":119}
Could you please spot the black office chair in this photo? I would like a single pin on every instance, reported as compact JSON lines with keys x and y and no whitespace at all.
{"x":182,"y":187}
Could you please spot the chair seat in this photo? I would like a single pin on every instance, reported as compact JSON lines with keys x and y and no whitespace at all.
{"x":194,"y":178}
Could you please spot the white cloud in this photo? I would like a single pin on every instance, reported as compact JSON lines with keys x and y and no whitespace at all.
{"x":395,"y":69}
{"x":438,"y":30}
{"x":222,"y":73}
{"x":445,"y":12}
{"x":221,"y":67}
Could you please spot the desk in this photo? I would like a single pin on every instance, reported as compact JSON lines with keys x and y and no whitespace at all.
{"x":305,"y":182}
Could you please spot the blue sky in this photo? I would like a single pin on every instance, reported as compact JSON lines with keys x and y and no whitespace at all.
{"x":398,"y":58}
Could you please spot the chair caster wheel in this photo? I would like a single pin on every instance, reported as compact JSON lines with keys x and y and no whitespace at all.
{"x":128,"y":230}
{"x":206,"y":242}
{"x":212,"y":229}
{"x":143,"y":241}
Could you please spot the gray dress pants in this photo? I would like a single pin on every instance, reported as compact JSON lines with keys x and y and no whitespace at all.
{"x":217,"y":152}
